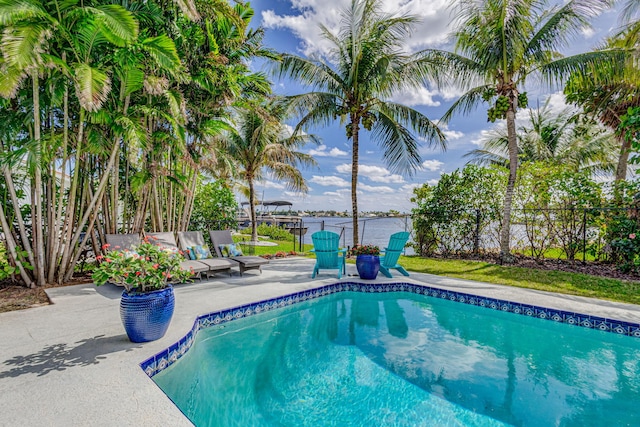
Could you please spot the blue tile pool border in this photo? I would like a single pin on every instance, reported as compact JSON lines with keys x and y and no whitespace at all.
{"x":167,"y":357}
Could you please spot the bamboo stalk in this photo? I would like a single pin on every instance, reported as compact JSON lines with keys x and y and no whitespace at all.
{"x":36,"y":202}
{"x":11,"y":247}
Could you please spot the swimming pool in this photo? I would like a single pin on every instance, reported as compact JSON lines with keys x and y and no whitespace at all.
{"x":400,"y":358}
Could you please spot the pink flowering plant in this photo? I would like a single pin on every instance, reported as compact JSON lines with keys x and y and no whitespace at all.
{"x":146,"y":268}
{"x":364,"y":250}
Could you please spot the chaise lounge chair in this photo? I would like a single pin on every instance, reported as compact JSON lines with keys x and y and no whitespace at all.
{"x":392,"y":254}
{"x":329,"y":256}
{"x":122,"y":242}
{"x":190,"y":240}
{"x":168,"y":240}
{"x":222,"y":238}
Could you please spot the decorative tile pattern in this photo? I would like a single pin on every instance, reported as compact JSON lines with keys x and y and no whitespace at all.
{"x":166,"y":358}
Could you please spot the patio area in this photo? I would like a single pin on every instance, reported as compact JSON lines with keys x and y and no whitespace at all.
{"x":70,"y":363}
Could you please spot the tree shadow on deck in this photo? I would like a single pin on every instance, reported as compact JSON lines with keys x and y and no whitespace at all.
{"x":58,"y":357}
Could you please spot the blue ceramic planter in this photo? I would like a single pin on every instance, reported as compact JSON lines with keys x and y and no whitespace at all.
{"x":368,"y":266}
{"x":146,"y":316}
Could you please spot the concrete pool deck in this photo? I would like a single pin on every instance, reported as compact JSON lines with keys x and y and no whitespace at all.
{"x":70,"y":363}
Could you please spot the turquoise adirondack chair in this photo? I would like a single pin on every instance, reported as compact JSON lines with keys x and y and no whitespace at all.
{"x":329,"y":256}
{"x":392,"y":254}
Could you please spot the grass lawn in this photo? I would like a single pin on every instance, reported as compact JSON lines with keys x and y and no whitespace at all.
{"x":544,"y":280}
{"x":282,"y":246}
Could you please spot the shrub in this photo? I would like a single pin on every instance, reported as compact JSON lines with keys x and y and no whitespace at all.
{"x":271,"y":231}
{"x":147,"y":268}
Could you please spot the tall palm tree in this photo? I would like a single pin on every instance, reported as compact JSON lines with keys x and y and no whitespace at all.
{"x":260,"y":144}
{"x":564,"y":138}
{"x":367,"y":65}
{"x":499,"y":45}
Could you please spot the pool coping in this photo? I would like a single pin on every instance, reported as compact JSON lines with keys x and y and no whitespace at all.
{"x":167,"y":357}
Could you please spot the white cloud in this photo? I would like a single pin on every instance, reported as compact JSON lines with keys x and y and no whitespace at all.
{"x":451,"y":135}
{"x":321,"y":151}
{"x":329,"y":181}
{"x":333,"y":193}
{"x":374,"y":173}
{"x":587,"y":32}
{"x":481,"y":137}
{"x":271,"y":184}
{"x":305,"y":15}
{"x":408,"y":188}
{"x":375,"y":189}
{"x":412,"y":98}
{"x":433,"y":181}
{"x":432,"y":165}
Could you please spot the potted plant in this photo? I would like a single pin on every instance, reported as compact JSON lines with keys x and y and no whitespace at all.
{"x":146,"y":272}
{"x":367,"y":260}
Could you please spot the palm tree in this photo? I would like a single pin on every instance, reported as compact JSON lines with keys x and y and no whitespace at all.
{"x":499,"y":45}
{"x":564,"y":138}
{"x":38,"y":36}
{"x":261,"y":144}
{"x":608,"y":91}
{"x":367,"y":66}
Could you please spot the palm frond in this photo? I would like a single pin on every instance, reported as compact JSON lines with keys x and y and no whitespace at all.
{"x":118,"y":24}
{"x":585,"y":63}
{"x":466,"y":103}
{"x":11,"y":77}
{"x":92,"y":86}
{"x":163,"y":50}
{"x":22,"y":45}
{"x":12,"y":11}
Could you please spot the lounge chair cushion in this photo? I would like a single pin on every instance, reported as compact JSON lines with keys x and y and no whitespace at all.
{"x":199,"y":252}
{"x":230,"y":250}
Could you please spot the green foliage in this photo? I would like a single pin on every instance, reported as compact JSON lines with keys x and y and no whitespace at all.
{"x":214,"y":207}
{"x":618,"y":227}
{"x":449,"y":214}
{"x":630,"y":129}
{"x":271,"y":231}
{"x":147,"y":268}
{"x":552,"y":199}
{"x":6,"y":269}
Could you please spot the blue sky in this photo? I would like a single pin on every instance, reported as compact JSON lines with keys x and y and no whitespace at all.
{"x":292,"y":26}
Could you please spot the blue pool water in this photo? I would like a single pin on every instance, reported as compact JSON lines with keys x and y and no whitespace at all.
{"x":401,"y":359}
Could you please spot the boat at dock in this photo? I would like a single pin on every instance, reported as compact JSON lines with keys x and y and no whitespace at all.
{"x":270,"y":213}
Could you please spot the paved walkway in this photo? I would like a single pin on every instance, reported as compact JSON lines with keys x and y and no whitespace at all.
{"x":71,"y":364}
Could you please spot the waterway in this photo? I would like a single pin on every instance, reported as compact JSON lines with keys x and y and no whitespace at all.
{"x":372,"y":231}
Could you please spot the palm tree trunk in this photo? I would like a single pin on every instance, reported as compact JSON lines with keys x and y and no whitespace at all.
{"x":252,"y":210}
{"x":188,"y":202}
{"x":57,"y":222}
{"x":89,"y":211}
{"x":16,"y":208}
{"x":38,"y":237}
{"x":11,"y":247}
{"x":505,"y":232}
{"x":623,"y":160}
{"x":354,"y":178}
